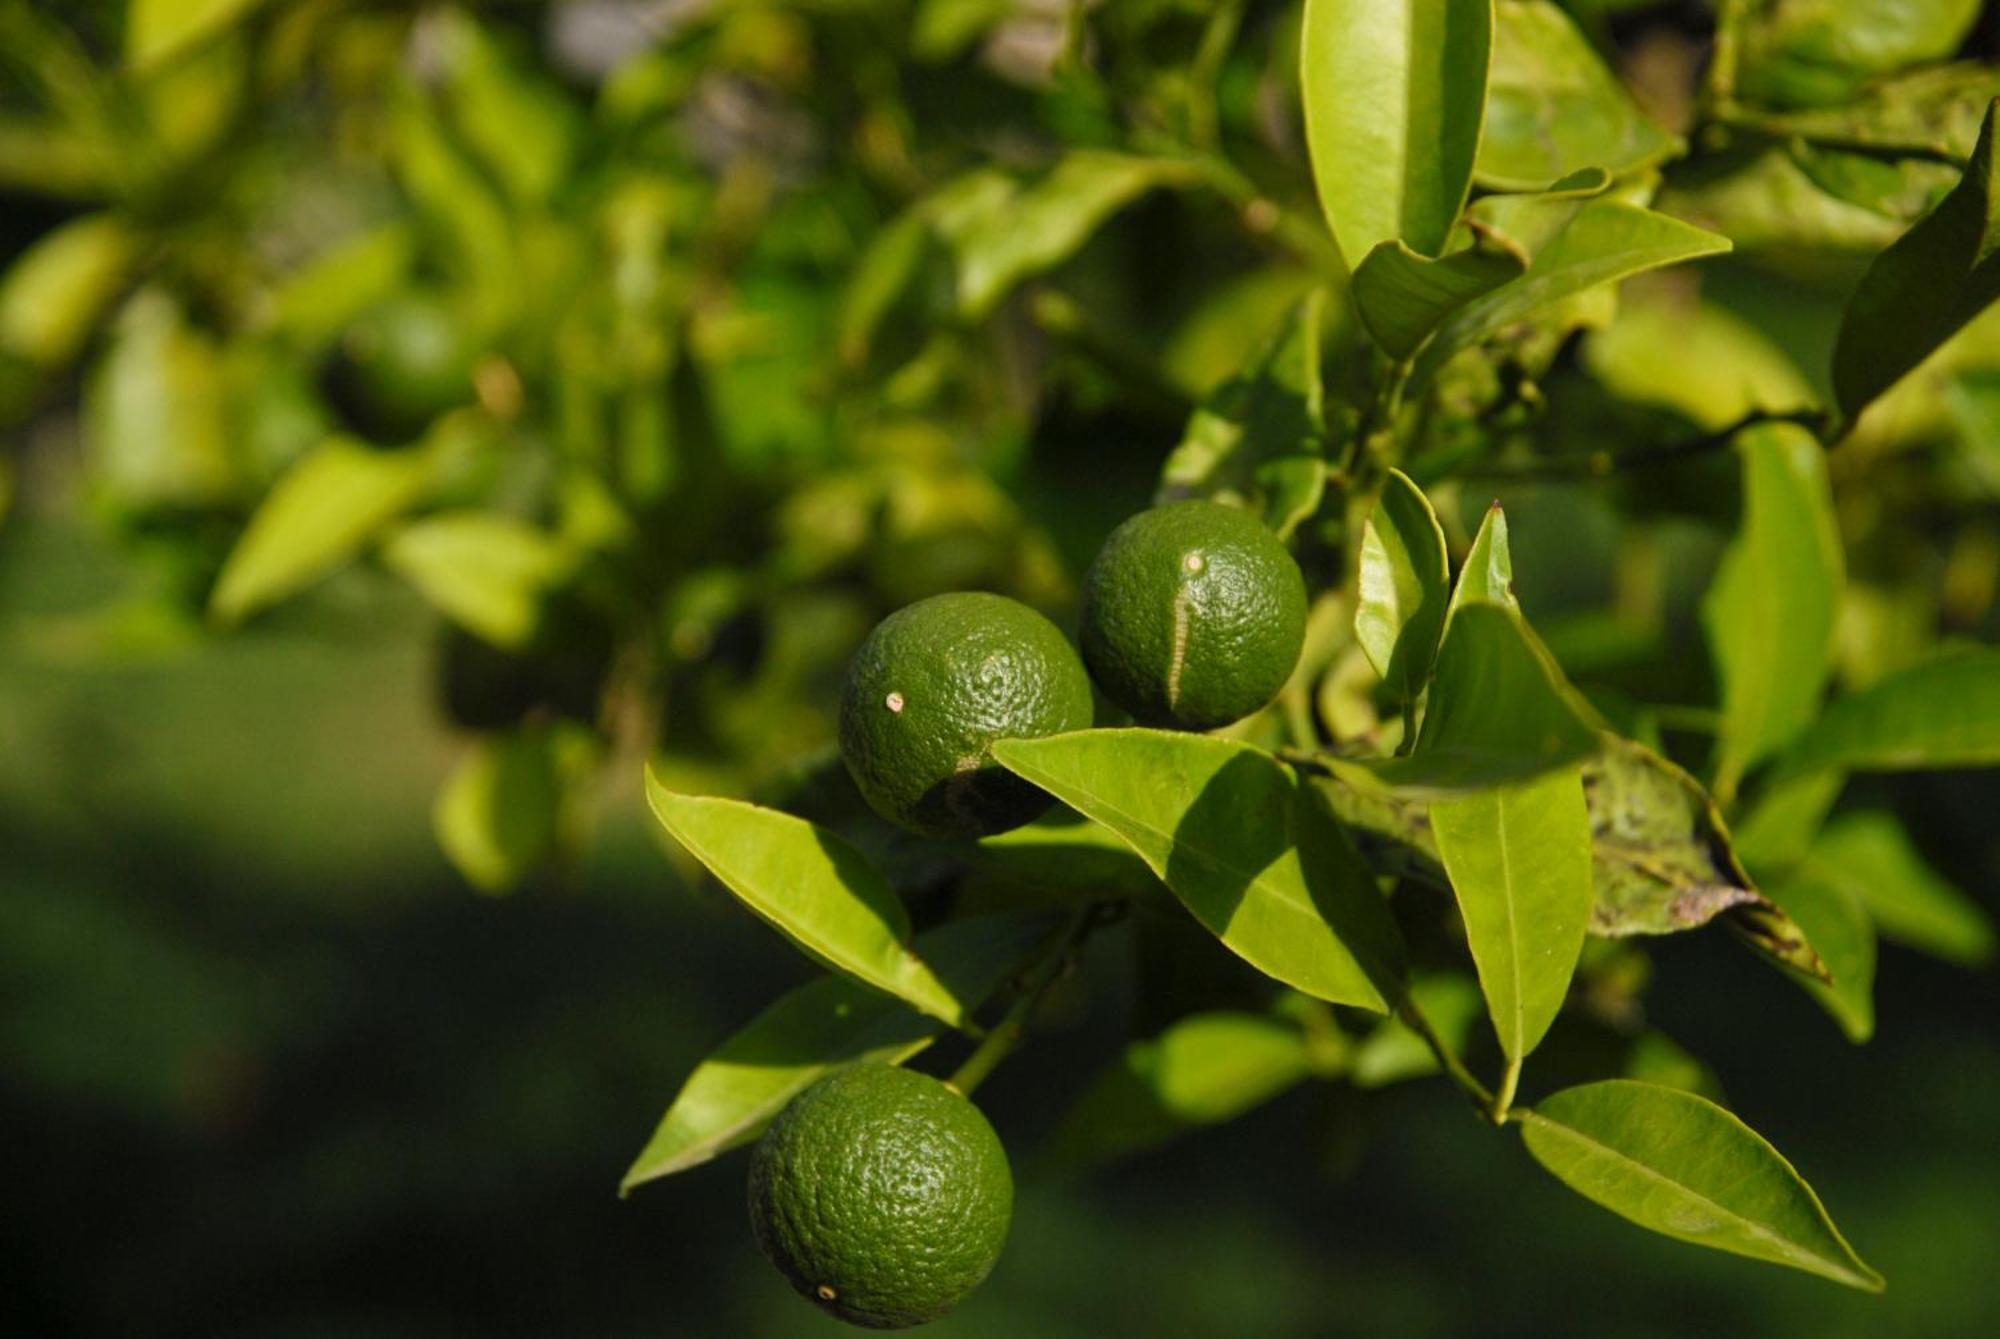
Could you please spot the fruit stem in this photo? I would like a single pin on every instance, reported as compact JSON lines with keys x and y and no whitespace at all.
{"x":1453,"y":1067}
{"x":1006,"y":1036}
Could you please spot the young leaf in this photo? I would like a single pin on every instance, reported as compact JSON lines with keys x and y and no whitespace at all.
{"x":486,"y":571}
{"x":1770,"y":614}
{"x":820,"y":1027}
{"x":1498,"y":711}
{"x":1403,"y":296}
{"x":1488,"y":573}
{"x":1404,"y":584}
{"x":1929,"y":283}
{"x":1260,"y":438}
{"x":1825,"y":908}
{"x":1871,"y":856}
{"x":319,"y":515}
{"x":1942,"y":714}
{"x":1248,"y":850}
{"x":1606,"y":241}
{"x":1682,"y":1166}
{"x":817,"y":890}
{"x":1519,"y":860}
{"x":1553,"y":107}
{"x":503,"y":811}
{"x":1206,"y":1069}
{"x":1394,"y":91}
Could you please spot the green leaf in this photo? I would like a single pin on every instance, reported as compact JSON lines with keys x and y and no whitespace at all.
{"x":523,"y":129}
{"x":53,"y":296}
{"x":319,"y":514}
{"x":1041,"y":225}
{"x":1488,"y":574}
{"x":1682,"y":1166}
{"x":813,"y":887}
{"x":321,"y":298}
{"x":1259,"y":440}
{"x":1770,"y":614}
{"x":158,"y":30}
{"x":1942,"y":714}
{"x":1701,"y":361}
{"x":1871,"y":856}
{"x":1820,"y":900}
{"x":1498,"y":711}
{"x":1403,"y":296}
{"x":822,"y":1026}
{"x":1922,"y":290}
{"x":1206,"y":1069}
{"x":505,"y":809}
{"x":155,"y":421}
{"x":1776,"y":833}
{"x":1553,"y":107}
{"x":1519,"y":860}
{"x":486,"y":571}
{"x":1606,"y":241}
{"x":1249,"y":851}
{"x":1810,"y":53}
{"x":1394,"y":91}
{"x":1403,"y":588}
{"x":1067,"y":854}
{"x":1936,"y":110}
{"x":1394,"y":1051}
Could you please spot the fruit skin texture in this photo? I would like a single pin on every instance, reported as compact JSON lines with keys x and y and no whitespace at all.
{"x":931,"y":689}
{"x":885,"y":1188}
{"x":1193,"y":615}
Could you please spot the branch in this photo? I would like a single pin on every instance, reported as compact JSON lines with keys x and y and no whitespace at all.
{"x":1604,"y":464}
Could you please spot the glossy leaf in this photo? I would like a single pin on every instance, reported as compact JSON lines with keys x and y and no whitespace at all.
{"x":1519,"y":860}
{"x":1403,"y":588}
{"x":1606,"y":241}
{"x":1488,"y":573}
{"x":1682,"y":1166}
{"x":1252,"y":854}
{"x":486,"y":571}
{"x":1770,"y":614}
{"x":1206,"y":1069}
{"x":1942,"y":714}
{"x":1553,"y":107}
{"x":822,"y":1026}
{"x":1403,"y":296}
{"x":1925,"y":287}
{"x":1045,"y":222}
{"x":1394,"y":92}
{"x":813,"y":887}
{"x":1871,"y":856}
{"x":504,"y":809}
{"x":319,"y":515}
{"x":1810,"y":53}
{"x":1821,"y":901}
{"x":1259,"y":440}
{"x":1498,"y":711}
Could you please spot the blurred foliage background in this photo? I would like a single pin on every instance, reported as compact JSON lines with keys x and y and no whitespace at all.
{"x":415,"y":415}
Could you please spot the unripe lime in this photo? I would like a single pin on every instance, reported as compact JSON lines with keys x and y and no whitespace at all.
{"x":1193,"y":615}
{"x":882,"y":1195}
{"x":931,"y":689}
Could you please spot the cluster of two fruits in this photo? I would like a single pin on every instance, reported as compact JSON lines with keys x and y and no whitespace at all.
{"x":884,"y":1195}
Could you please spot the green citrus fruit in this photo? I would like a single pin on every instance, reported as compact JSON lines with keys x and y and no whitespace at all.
{"x":931,"y":689}
{"x":1193,"y":615}
{"x":883,"y":1195}
{"x":402,"y":364}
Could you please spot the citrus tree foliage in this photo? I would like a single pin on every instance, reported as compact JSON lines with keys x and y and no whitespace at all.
{"x":665,"y":367}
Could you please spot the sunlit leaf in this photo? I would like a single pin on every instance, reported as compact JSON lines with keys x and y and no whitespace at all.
{"x":1682,"y":1166}
{"x":1394,"y":91}
{"x":813,"y":887}
{"x":1488,"y":574}
{"x":1519,"y":860}
{"x":158,"y":30}
{"x":1231,"y":832}
{"x":54,"y":294}
{"x":504,"y":810}
{"x":820,"y":1027}
{"x":486,"y":571}
{"x":1403,"y":587}
{"x":155,"y":422}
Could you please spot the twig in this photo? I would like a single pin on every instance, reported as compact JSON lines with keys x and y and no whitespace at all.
{"x":1007,"y":1035}
{"x":1605,"y":464}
